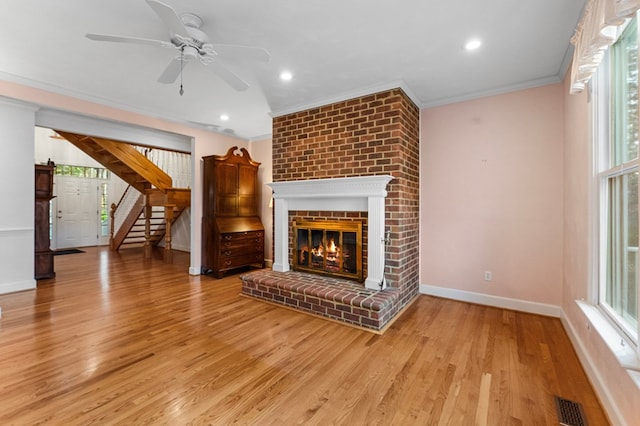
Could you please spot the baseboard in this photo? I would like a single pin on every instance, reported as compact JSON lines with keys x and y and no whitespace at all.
{"x":606,"y":399}
{"x":179,"y":247}
{"x":17,"y":286}
{"x":496,"y":301}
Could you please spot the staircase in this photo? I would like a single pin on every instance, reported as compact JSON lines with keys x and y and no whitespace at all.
{"x":157,"y":205}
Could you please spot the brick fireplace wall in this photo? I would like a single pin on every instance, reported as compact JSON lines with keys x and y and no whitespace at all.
{"x":377,"y":134}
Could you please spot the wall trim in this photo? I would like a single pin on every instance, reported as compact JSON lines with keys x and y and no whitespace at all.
{"x":16,"y":103}
{"x":96,"y":126}
{"x":531,"y":84}
{"x":490,"y":300}
{"x":352,"y":94}
{"x":16,"y":230}
{"x":17,"y":286}
{"x":606,"y":399}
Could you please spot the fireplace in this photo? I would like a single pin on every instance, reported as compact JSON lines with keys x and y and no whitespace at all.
{"x":328,"y":248}
{"x":352,"y":194}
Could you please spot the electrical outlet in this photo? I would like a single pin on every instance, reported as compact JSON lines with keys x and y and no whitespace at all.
{"x":487,"y":275}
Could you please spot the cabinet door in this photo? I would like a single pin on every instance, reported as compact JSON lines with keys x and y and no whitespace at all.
{"x":41,"y":230}
{"x":247,"y":191}
{"x":44,"y":181}
{"x":209,"y":188}
{"x":227,"y":190}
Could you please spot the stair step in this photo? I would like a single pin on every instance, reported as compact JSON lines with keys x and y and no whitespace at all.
{"x":139,"y":240}
{"x":140,"y":233}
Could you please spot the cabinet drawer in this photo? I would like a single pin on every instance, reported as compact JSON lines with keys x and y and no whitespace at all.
{"x":242,"y":260}
{"x":234,"y":244}
{"x":226,"y":252}
{"x":238,"y":236}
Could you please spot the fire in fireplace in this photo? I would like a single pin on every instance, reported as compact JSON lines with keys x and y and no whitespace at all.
{"x":329,"y":248}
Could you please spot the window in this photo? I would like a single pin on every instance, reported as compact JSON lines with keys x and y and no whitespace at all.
{"x":105,"y":210}
{"x":82,"y":171}
{"x":617,"y":129}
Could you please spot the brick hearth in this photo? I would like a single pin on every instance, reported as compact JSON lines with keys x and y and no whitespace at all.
{"x":329,"y":297}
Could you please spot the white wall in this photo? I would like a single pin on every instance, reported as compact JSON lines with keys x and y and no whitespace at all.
{"x":17,"y":194}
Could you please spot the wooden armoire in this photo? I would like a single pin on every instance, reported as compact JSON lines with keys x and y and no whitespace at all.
{"x":43,"y":194}
{"x":232,"y":232}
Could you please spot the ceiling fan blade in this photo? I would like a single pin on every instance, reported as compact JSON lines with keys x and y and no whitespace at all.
{"x":125,"y":39}
{"x":169,"y":17}
{"x":232,"y":51}
{"x":228,"y":76}
{"x":171,"y":73}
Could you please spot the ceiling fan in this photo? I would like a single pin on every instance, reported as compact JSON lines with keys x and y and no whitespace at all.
{"x":186,"y":37}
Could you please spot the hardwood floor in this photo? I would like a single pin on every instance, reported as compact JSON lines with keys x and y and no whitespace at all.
{"x":117,"y":340}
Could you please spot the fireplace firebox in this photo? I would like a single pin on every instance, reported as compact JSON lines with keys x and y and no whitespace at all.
{"x":328,"y":248}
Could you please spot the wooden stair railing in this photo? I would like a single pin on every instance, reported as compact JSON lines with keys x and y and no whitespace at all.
{"x":118,"y":237}
{"x":174,"y":201}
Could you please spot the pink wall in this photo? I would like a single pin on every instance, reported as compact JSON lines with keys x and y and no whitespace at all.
{"x":491,"y":185}
{"x":261,"y":151}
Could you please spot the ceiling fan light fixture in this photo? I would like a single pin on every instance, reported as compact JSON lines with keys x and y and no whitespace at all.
{"x":224,"y":117}
{"x":190,"y":53}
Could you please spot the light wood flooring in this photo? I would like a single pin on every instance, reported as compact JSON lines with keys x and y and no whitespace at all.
{"x":118,"y":340}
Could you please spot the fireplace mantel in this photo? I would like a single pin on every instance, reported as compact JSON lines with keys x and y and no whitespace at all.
{"x":360,"y":193}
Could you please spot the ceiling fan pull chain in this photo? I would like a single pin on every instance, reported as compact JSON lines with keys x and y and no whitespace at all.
{"x":181,"y":66}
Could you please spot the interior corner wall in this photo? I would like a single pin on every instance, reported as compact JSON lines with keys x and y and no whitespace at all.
{"x":17,"y":217}
{"x":491,"y":199}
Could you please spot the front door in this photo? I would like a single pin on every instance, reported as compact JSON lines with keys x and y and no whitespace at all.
{"x":76,"y":212}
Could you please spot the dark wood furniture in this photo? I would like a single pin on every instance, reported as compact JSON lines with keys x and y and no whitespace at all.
{"x":43,"y":195}
{"x":233,"y":235}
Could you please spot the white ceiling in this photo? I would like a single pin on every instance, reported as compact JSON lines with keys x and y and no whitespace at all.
{"x":336,"y":49}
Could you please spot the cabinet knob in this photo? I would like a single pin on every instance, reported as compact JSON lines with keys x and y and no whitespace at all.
{"x":227,"y":253}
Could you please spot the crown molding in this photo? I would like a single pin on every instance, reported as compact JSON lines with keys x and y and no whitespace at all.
{"x":493,"y":92}
{"x":351,"y":94}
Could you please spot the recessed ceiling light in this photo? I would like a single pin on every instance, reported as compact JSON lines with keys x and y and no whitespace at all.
{"x":224,"y":117}
{"x":285,"y":76}
{"x":472,"y":44}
